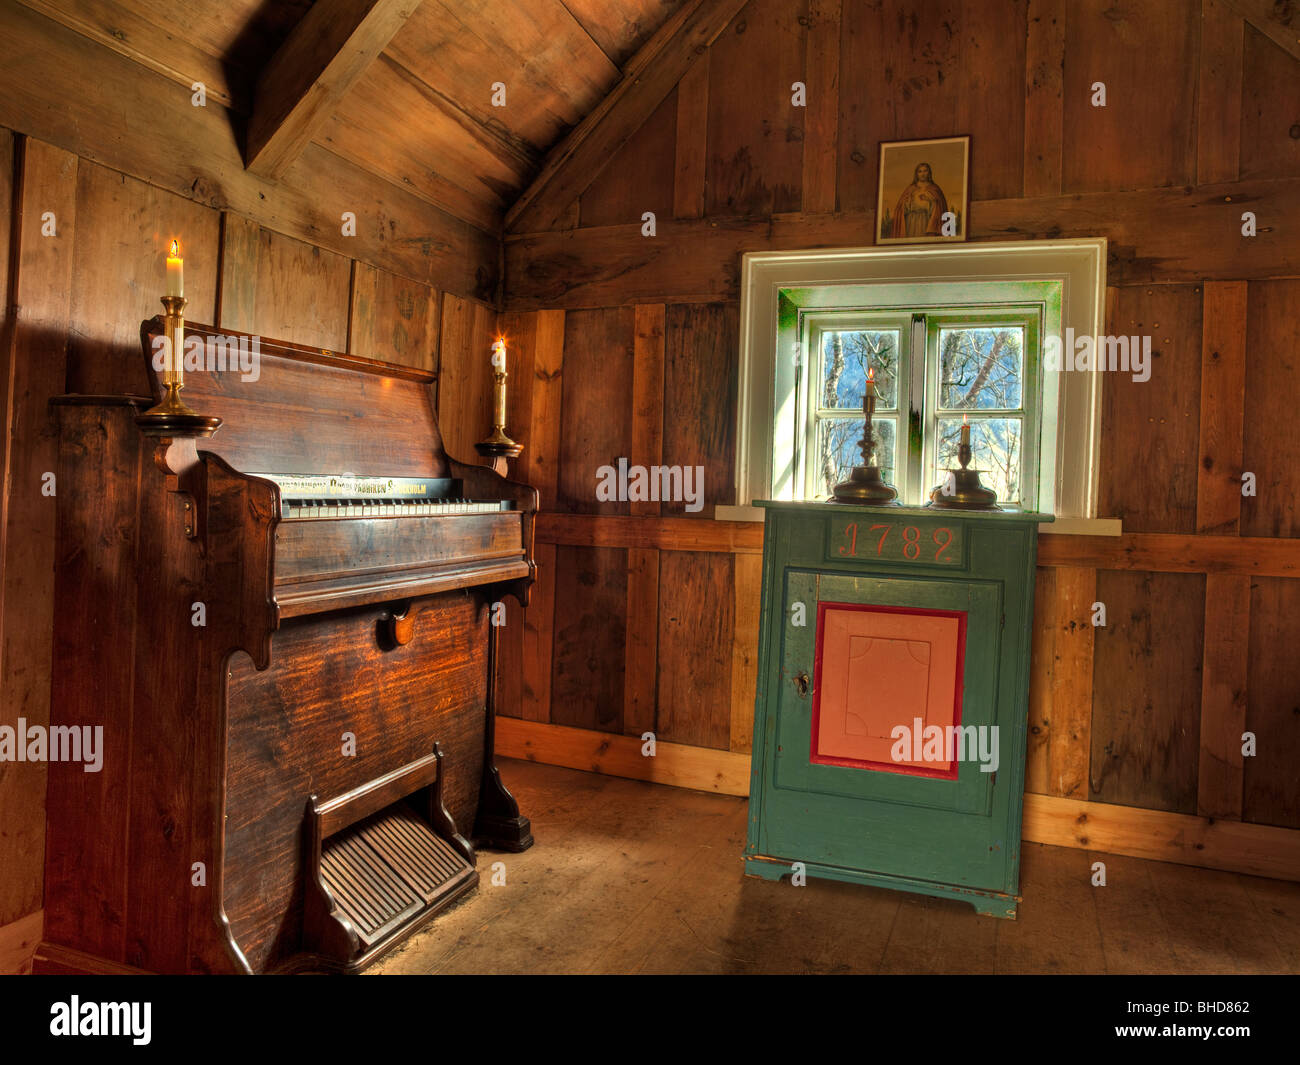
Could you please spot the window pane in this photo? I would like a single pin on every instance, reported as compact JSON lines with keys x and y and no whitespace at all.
{"x":980,"y":369}
{"x":995,"y":452}
{"x":838,"y":450}
{"x":846,"y":358}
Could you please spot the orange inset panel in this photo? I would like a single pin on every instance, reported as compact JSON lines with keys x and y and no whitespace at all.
{"x":878,"y":668}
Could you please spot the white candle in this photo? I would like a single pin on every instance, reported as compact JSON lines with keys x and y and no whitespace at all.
{"x":499,"y":356}
{"x":175,"y":271}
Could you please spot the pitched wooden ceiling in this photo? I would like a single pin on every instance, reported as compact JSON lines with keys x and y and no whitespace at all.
{"x":402,"y":88}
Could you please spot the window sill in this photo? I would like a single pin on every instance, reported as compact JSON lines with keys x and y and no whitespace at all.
{"x":1060,"y":527}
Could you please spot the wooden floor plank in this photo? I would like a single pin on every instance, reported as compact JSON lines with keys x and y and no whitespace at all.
{"x":1211,"y":922}
{"x":1133,"y":934}
{"x":1055,"y":930}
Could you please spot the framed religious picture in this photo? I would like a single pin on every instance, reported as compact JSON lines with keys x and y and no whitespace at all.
{"x":923,"y":191}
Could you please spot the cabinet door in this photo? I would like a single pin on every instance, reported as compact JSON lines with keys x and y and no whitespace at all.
{"x":846,"y":788}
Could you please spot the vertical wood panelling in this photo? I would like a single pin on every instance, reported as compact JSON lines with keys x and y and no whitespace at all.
{"x":929,"y":70}
{"x":1145,"y":53}
{"x":692,"y":147}
{"x":302,"y":292}
{"x":1272,"y":385}
{"x":35,"y":368}
{"x":755,"y":163}
{"x":1147,"y":690}
{"x":1223,"y":695}
{"x":9,"y":146}
{"x":237,"y":291}
{"x":541,"y":470}
{"x":1223,"y":388}
{"x":890,"y":89}
{"x":648,"y":394}
{"x":1060,"y":693}
{"x":1149,"y":446}
{"x":465,"y":375}
{"x":641,"y":687}
{"x":519,"y":332}
{"x":1270,"y":107}
{"x":639,"y":178}
{"x":392,"y":319}
{"x":1218,"y":97}
{"x":1044,"y":105}
{"x":821,"y":124}
{"x":596,"y":429}
{"x":1041,"y":652}
{"x":1273,"y":704}
{"x":992,"y":61}
{"x":641,"y":650}
{"x":275,"y":286}
{"x":539,"y":639}
{"x":696,"y":615}
{"x":700,"y":351}
{"x":590,"y":612}
{"x":1218,"y":510}
{"x":124,"y":231}
{"x":539,"y":465}
{"x":747,"y":577}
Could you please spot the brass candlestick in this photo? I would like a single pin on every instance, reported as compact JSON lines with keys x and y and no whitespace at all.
{"x":968,"y":492}
{"x":865,"y":485}
{"x":498,"y":444}
{"x":171,"y":416}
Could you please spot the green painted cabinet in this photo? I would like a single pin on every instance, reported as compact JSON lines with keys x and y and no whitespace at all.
{"x":893,"y":686}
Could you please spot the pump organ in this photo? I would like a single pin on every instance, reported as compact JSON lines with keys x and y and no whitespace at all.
{"x":302,"y":779}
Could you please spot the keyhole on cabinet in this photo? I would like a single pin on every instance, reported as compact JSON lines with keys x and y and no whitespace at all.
{"x":801,"y":683}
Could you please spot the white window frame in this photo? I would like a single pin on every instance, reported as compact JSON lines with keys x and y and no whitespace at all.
{"x":890,"y":277}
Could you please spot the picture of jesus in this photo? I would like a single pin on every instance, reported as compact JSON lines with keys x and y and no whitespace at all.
{"x":921,"y":207}
{"x":922,"y":196}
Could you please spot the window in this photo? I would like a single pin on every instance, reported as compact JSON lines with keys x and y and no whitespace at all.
{"x":951,"y":332}
{"x":933,"y":369}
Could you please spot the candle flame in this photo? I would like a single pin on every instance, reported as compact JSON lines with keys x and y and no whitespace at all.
{"x":965,"y":420}
{"x":871,"y":374}
{"x":175,"y":252}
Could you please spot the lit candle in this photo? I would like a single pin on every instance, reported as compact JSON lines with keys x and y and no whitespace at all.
{"x":175,"y":271}
{"x":499,"y":355}
{"x":869,"y":398}
{"x":965,"y":431}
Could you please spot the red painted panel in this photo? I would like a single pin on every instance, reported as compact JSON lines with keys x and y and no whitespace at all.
{"x":879,"y":667}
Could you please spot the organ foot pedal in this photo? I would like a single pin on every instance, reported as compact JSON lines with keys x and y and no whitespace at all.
{"x":382,"y":860}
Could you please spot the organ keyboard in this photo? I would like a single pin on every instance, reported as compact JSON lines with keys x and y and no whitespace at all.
{"x":317,"y":738}
{"x":349,"y":496}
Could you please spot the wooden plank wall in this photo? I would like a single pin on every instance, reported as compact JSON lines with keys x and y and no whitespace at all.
{"x":651,"y":627}
{"x":75,"y":299}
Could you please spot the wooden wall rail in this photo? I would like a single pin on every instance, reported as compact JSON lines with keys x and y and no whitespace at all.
{"x":1157,"y":236}
{"x":1151,"y":552}
{"x":1259,"y":850}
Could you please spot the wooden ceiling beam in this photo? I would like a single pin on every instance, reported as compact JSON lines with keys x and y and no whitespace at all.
{"x":649,"y":76}
{"x":1278,"y":21}
{"x":310,"y":73}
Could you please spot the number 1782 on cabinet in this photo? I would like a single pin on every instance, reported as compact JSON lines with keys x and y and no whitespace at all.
{"x":924,"y":543}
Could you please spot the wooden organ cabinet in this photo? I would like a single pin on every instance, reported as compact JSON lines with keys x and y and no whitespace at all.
{"x":284,"y":630}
